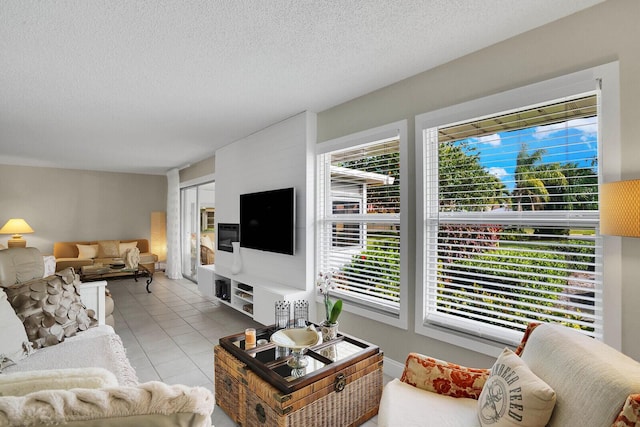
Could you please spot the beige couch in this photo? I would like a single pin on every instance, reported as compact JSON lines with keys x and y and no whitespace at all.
{"x":557,"y":377}
{"x":81,"y":253}
{"x":60,"y":369}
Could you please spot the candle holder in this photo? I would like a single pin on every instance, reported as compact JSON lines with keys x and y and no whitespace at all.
{"x":300,"y":313}
{"x":249,"y":338}
{"x":282,"y":314}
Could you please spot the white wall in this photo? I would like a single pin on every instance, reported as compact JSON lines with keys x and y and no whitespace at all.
{"x":273,"y":158}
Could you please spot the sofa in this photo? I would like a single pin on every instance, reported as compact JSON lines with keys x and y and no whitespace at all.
{"x":556,"y":377}
{"x":59,"y":366}
{"x":85,"y":253}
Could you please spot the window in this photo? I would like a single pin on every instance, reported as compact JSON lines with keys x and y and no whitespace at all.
{"x":510,"y":219}
{"x":359,"y":228}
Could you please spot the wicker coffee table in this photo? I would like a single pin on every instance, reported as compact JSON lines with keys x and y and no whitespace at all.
{"x":341,"y":385}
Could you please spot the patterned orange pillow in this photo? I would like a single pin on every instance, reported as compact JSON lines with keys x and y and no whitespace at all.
{"x":443,"y":377}
{"x":523,"y":342}
{"x":630,"y":414}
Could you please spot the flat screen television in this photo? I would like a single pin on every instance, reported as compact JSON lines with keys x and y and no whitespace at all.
{"x":267,"y":221}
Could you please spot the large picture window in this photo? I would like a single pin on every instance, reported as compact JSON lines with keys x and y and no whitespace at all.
{"x":359,"y":223}
{"x":511,"y":220}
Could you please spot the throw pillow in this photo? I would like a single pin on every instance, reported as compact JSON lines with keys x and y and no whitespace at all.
{"x":109,"y":249}
{"x":87,"y":251}
{"x":14,"y":344}
{"x":21,"y":383}
{"x":123,"y":247}
{"x":50,"y":309}
{"x":446,"y":378}
{"x":514,"y":396}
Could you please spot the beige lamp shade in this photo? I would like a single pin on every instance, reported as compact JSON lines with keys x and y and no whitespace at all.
{"x":17,"y":227}
{"x":159,"y":235}
{"x":620,"y":208}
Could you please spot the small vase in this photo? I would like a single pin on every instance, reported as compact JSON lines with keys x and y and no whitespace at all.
{"x":329,"y":331}
{"x":237,"y":261}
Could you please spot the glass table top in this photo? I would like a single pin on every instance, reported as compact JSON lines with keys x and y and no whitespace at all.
{"x":270,"y":361}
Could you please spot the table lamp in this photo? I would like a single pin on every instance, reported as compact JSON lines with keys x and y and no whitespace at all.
{"x":17,"y":227}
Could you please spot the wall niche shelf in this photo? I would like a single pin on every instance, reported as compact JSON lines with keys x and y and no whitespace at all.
{"x":254,"y":297}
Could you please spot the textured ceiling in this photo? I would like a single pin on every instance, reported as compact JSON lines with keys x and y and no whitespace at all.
{"x":147,"y":85}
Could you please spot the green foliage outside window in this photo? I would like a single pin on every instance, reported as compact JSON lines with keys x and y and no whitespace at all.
{"x":529,"y":277}
{"x":381,"y":261}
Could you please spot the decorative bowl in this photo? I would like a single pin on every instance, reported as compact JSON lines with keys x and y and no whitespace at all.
{"x":295,"y":338}
{"x":298,"y":340}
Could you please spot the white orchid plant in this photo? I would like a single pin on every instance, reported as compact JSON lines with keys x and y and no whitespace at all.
{"x":325,"y":284}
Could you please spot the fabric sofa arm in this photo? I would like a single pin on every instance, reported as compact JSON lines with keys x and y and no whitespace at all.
{"x":443,"y":377}
{"x":182,"y":405}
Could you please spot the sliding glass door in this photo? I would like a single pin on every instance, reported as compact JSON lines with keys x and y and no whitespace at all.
{"x":197,"y":228}
{"x":189,"y":232}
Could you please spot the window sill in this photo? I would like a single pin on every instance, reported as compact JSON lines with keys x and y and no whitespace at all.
{"x":460,"y":339}
{"x":398,"y":321}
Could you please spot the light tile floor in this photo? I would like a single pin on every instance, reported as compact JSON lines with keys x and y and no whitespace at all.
{"x":169,"y":334}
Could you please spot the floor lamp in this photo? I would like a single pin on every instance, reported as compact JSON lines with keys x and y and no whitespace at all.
{"x":159,"y":235}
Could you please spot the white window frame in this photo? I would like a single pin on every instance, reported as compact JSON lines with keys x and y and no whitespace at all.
{"x":607,"y":78}
{"x":396,"y":129}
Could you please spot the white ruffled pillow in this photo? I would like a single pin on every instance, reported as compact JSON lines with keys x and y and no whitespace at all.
{"x":22,"y":383}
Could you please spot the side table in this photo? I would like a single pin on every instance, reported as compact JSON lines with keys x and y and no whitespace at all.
{"x":92,"y":295}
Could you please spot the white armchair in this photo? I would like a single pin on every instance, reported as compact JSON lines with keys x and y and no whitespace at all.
{"x":580,"y":382}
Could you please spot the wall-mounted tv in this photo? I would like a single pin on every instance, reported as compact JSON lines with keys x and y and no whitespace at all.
{"x":267,"y":221}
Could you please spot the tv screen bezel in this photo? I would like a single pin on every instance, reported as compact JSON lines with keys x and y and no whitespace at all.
{"x":291,"y":222}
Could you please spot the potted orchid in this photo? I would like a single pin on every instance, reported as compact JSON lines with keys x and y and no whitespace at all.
{"x":332,"y":309}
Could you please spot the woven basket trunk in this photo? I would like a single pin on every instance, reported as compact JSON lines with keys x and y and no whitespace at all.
{"x":230,"y":384}
{"x":348,"y":397}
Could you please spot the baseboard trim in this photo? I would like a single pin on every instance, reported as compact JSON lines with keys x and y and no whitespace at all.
{"x":392,"y":368}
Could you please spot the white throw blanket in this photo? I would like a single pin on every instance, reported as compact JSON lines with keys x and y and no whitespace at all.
{"x":96,"y":347}
{"x":58,"y":406}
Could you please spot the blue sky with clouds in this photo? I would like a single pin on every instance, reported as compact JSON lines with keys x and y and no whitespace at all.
{"x":571,"y":141}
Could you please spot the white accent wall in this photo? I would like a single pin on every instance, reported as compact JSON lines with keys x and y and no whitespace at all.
{"x":279,"y":156}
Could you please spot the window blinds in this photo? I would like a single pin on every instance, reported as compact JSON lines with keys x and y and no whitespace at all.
{"x":359,"y":216}
{"x":512,"y":220}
